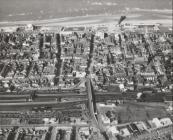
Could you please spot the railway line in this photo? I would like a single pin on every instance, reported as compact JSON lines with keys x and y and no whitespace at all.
{"x":73,"y":95}
{"x":68,"y":98}
{"x":100,"y":96}
{"x":25,"y":106}
{"x":42,"y":103}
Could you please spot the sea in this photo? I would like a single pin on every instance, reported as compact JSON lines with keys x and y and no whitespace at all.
{"x":25,"y":10}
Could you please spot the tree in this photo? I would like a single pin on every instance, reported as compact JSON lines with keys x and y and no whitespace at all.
{"x":109,"y":114}
{"x":119,"y":118}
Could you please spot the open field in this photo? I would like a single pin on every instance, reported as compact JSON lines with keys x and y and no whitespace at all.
{"x":80,"y":12}
{"x":111,"y":20}
{"x":130,"y":112}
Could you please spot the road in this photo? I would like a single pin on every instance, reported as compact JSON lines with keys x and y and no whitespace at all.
{"x":91,"y":104}
{"x":46,"y":125}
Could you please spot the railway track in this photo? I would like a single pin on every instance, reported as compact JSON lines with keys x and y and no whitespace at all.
{"x":99,"y":97}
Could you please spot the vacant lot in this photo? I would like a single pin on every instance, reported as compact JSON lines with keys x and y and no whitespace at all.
{"x":130,"y":112}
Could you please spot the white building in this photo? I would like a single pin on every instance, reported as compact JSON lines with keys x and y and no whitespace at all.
{"x":166,"y":121}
